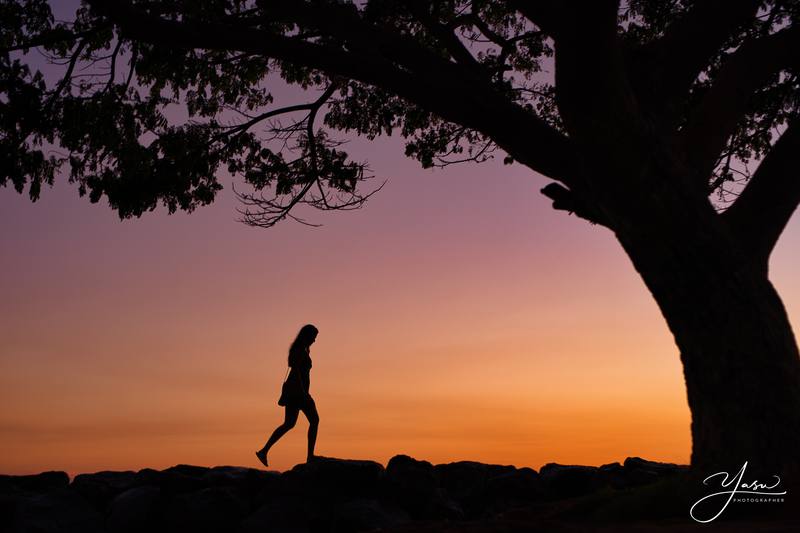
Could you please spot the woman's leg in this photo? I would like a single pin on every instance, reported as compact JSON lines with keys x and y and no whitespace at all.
{"x":288,"y":423}
{"x":310,"y":410}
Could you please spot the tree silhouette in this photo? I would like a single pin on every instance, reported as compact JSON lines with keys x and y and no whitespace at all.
{"x":673,"y":124}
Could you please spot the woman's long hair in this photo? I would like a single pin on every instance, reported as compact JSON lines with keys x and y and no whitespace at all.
{"x":303,"y":339}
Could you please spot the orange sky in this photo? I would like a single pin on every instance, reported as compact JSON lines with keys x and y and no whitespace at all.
{"x":460,"y":317}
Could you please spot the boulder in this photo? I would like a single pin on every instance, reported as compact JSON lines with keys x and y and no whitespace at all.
{"x":43,"y":482}
{"x":465,"y":482}
{"x":415,"y":486}
{"x":270,"y":490}
{"x":212,"y":509}
{"x":566,"y":481}
{"x":230,"y":476}
{"x":255,"y":487}
{"x":136,"y":509}
{"x":663,"y":469}
{"x":333,"y":479}
{"x":638,"y":471}
{"x":61,"y":510}
{"x":172,"y":480}
{"x":192,"y":471}
{"x":461,"y":476}
{"x":328,"y":495}
{"x":278,"y":516}
{"x":523,"y":485}
{"x":100,"y":488}
{"x":411,"y":471}
{"x":614,"y":474}
{"x":362,"y":514}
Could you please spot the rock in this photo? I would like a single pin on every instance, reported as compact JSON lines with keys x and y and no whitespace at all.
{"x":100,"y":488}
{"x":614,"y":474}
{"x":278,"y":516}
{"x":43,"y":482}
{"x":465,"y":481}
{"x":271,"y":489}
{"x":221,"y":476}
{"x":188,"y":470}
{"x":330,"y":478}
{"x":328,"y":495}
{"x":462,"y":475}
{"x":662,"y":469}
{"x":61,"y":510}
{"x":172,"y":480}
{"x":22,"y":496}
{"x":523,"y":485}
{"x":415,"y":486}
{"x":363,"y":514}
{"x":136,"y":509}
{"x":255,"y":487}
{"x":415,"y":473}
{"x":404,"y":462}
{"x":213,"y":509}
{"x":638,"y":471}
{"x":566,"y":481}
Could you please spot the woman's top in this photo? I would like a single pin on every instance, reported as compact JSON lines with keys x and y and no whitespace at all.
{"x":300,"y":364}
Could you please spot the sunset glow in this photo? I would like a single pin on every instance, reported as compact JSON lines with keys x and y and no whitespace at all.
{"x":460,"y":318}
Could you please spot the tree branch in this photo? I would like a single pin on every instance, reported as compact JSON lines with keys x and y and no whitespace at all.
{"x":690,"y":43}
{"x":748,"y":69}
{"x":448,"y":39}
{"x":67,"y":79}
{"x":113,"y":68}
{"x":268,"y":211}
{"x":272,"y":211}
{"x":595,"y":99}
{"x":566,"y":200}
{"x":766,"y":204}
{"x":244,"y":126}
{"x":372,"y":57}
{"x":549,"y":15}
{"x":53,"y":36}
{"x":312,"y":116}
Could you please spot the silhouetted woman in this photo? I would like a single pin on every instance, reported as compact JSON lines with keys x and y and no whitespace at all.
{"x":295,"y":396}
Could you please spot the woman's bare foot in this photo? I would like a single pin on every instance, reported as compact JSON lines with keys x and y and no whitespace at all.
{"x":312,"y":458}
{"x":262,"y":456}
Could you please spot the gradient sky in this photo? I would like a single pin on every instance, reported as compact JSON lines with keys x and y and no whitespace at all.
{"x":460,"y":318}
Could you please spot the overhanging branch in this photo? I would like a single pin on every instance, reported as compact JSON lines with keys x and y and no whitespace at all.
{"x":50,"y":37}
{"x":446,"y":37}
{"x":766,"y":204}
{"x":429,"y":81}
{"x":566,"y":200}
{"x":593,"y":91}
{"x":689,"y":44}
{"x":549,"y":15}
{"x":747,"y":70}
{"x":297,"y":179}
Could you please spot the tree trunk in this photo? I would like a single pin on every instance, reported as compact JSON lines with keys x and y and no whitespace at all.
{"x":739,"y":354}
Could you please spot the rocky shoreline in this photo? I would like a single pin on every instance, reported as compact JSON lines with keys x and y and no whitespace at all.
{"x":331,"y":495}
